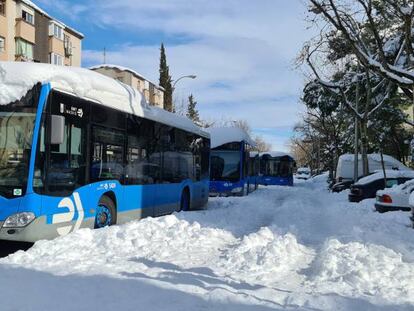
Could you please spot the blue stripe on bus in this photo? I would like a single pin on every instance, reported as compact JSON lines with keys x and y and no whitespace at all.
{"x":129,"y":198}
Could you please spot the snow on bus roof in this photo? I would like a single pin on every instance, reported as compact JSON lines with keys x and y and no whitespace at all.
{"x":276,"y":154}
{"x":225,"y":135}
{"x":17,"y":78}
{"x":122,"y":68}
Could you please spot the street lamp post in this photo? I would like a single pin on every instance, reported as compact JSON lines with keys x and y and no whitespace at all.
{"x":175,"y":83}
{"x":183,"y":77}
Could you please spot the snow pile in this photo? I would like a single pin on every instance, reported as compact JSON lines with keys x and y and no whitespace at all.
{"x":110,"y":250}
{"x":363,"y":269}
{"x":295,"y":248}
{"x":225,"y":135}
{"x":266,"y":256}
{"x":317,"y":182}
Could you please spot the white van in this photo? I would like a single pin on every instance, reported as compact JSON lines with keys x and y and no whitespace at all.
{"x":345,"y":168}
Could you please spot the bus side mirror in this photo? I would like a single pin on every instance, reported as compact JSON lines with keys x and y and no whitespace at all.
{"x":57,"y":130}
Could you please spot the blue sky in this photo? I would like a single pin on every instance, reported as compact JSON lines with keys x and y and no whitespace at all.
{"x":242,"y":52}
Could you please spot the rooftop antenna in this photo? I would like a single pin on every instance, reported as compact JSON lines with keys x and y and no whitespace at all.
{"x":104,"y":55}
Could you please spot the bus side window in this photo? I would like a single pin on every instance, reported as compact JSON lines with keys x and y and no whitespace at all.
{"x":151,"y":135}
{"x":143,"y":153}
{"x":107,"y":154}
{"x":137,"y":169}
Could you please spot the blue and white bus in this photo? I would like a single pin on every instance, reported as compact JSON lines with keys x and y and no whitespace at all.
{"x":276,"y":168}
{"x":81,"y":150}
{"x":229,"y":171}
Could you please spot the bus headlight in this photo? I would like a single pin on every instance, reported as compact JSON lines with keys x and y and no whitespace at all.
{"x":19,"y":220}
{"x":237,"y":190}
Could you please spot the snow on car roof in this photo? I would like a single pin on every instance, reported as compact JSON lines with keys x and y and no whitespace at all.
{"x":17,"y":78}
{"x":398,"y":188}
{"x":373,"y":157}
{"x":224,"y":135}
{"x":389,"y":174}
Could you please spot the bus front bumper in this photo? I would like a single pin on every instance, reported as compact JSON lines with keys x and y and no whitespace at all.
{"x":36,"y":230}
{"x":39,"y":229}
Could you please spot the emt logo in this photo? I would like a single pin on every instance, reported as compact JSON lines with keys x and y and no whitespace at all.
{"x":73,"y":206}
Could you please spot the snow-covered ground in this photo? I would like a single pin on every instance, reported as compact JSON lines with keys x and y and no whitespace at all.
{"x":299,"y":248}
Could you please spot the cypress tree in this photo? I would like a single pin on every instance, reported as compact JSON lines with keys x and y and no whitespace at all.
{"x":165,"y":81}
{"x":192,"y":112}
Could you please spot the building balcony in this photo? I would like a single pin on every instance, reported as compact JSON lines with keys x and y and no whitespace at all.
{"x":25,"y":30}
{"x":56,"y":46}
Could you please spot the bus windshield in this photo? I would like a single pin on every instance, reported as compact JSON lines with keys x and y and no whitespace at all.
{"x":16,"y":134}
{"x":225,"y":165}
{"x":277,"y":167}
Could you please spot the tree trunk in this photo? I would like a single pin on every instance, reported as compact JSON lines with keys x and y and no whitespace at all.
{"x":356,"y":137}
{"x":364,"y":156}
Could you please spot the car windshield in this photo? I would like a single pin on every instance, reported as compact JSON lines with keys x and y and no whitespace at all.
{"x":16,"y":134}
{"x":225,"y":165}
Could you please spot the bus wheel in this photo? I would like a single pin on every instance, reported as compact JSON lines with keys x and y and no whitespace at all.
{"x":185,"y":200}
{"x":105,"y":213}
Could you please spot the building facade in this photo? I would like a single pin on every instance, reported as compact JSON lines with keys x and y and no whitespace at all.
{"x":154,"y":94}
{"x":27,"y":33}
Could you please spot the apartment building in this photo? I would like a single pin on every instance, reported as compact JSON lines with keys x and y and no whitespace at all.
{"x":154,"y":94}
{"x":27,"y":33}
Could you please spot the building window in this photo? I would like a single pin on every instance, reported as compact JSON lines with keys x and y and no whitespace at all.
{"x":56,"y":31}
{"x":24,"y":49}
{"x":2,"y":44}
{"x":3,"y":7}
{"x":56,"y":59}
{"x":28,"y":17}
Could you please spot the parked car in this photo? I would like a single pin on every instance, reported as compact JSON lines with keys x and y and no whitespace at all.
{"x":341,"y":186}
{"x":345,"y":167}
{"x":303,"y":173}
{"x":367,"y":187}
{"x":395,"y":199}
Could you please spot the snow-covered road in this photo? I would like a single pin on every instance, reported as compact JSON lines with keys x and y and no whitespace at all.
{"x":279,"y":248}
